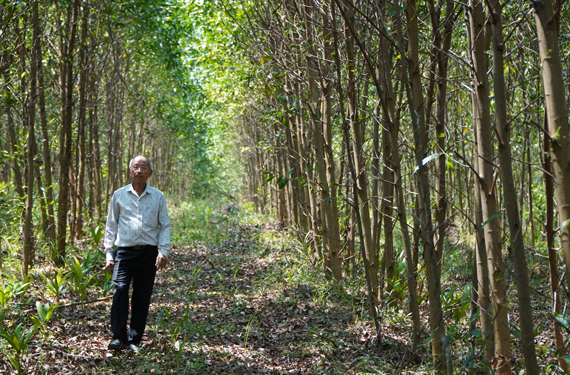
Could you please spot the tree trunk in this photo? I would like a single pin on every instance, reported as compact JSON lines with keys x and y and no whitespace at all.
{"x":47,"y":161}
{"x":18,"y":179}
{"x":440,"y":50}
{"x":299,"y":148}
{"x":81,"y":157}
{"x":510,"y":194}
{"x":28,"y":233}
{"x":96,"y":157}
{"x":490,"y":208}
{"x":482,"y":281}
{"x":552,"y":263}
{"x":557,"y":116}
{"x":321,"y":121}
{"x":440,"y":349}
{"x":65,"y":156}
{"x":110,"y":103}
{"x":357,"y":132}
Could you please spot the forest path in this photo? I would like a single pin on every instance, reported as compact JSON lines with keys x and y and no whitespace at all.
{"x":234,"y":308}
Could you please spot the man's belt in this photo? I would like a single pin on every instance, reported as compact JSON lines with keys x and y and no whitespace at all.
{"x":140,"y":247}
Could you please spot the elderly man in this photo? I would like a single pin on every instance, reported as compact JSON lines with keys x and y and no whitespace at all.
{"x":139,"y":228}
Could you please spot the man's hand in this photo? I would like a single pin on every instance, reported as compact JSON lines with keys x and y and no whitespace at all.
{"x":161,"y":261}
{"x":109,"y":265}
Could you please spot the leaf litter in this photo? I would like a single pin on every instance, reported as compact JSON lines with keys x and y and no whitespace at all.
{"x":221,"y":309}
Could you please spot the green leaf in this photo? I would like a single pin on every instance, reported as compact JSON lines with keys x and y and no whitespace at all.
{"x":451,"y":166}
{"x":476,"y":333}
{"x":282,"y":182}
{"x":266,"y":59}
{"x":491,"y":218}
{"x":269,"y":177}
{"x":395,"y":9}
{"x":516,"y":331}
{"x":456,"y":162}
{"x":42,"y":310}
{"x":36,"y":321}
{"x":14,"y":362}
{"x":564,"y":321}
{"x":10,"y":101}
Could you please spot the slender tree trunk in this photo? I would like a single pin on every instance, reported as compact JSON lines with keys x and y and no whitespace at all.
{"x":375,"y":187}
{"x":72,"y":199}
{"x":490,"y":208}
{"x":510,"y":194}
{"x":385,"y":90}
{"x":47,"y":159}
{"x":557,"y":116}
{"x":482,"y":281}
{"x":97,"y":178}
{"x":65,"y":156}
{"x":387,"y":101}
{"x":440,"y":349}
{"x":298,"y":136}
{"x":552,"y":263}
{"x":110,"y":103}
{"x":357,"y":132}
{"x":292,"y":161}
{"x":28,"y":233}
{"x":442,"y":44}
{"x":321,"y":121}
{"x":81,"y":157}
{"x":402,"y":218}
{"x":18,"y":179}
{"x":346,"y":126}
{"x":387,"y":207}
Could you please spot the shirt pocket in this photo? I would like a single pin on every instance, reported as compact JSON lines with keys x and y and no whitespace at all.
{"x":150,"y":216}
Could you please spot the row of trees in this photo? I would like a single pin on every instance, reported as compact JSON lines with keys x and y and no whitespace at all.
{"x":367,"y":115}
{"x":86,"y":85}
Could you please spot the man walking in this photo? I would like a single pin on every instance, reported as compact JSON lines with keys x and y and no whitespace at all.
{"x":139,"y":227}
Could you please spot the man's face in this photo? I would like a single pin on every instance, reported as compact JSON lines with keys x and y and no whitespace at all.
{"x":140,"y":171}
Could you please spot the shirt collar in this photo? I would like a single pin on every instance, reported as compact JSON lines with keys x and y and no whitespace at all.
{"x":145,"y":191}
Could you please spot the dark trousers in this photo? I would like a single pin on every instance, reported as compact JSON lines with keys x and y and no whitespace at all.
{"x":139,"y":266}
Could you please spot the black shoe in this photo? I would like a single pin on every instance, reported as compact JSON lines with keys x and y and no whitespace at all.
{"x":117,"y":345}
{"x":135,"y":348}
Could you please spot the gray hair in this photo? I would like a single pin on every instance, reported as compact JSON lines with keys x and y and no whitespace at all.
{"x":147,"y":159}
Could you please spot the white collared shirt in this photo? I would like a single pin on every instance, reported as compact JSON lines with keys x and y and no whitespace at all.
{"x":135,"y":220}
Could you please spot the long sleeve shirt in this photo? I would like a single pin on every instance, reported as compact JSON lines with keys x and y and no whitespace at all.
{"x":134,"y":220}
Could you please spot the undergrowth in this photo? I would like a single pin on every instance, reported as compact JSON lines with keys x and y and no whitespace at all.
{"x":241,"y":295}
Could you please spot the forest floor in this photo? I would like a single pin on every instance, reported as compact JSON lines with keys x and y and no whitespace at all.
{"x":232,"y":308}
{"x":250,"y":304}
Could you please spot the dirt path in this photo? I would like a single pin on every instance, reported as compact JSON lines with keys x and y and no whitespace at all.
{"x":236,"y":308}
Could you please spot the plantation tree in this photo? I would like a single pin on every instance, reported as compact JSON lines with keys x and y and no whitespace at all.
{"x":67,"y":40}
{"x":547,"y":20}
{"x":440,"y":349}
{"x":557,"y":115}
{"x":509,"y":191}
{"x":485,"y":169}
{"x":31,"y":110}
